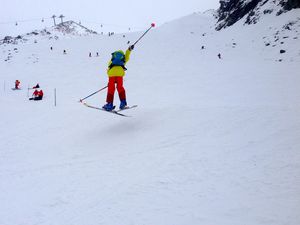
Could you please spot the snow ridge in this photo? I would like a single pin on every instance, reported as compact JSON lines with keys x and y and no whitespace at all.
{"x":65,"y":29}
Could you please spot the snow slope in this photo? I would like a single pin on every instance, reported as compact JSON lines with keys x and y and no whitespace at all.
{"x":211,"y":142}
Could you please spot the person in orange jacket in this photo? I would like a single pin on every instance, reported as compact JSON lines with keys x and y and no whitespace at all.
{"x":116,"y":71}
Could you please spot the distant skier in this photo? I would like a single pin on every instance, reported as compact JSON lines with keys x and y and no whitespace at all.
{"x":65,"y":52}
{"x":90,"y":54}
{"x":17,"y":84}
{"x":219,"y":55}
{"x":37,"y":95}
{"x":116,"y":71}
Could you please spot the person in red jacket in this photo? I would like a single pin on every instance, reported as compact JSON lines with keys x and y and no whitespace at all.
{"x":17,"y":83}
{"x":40,"y":95}
{"x":37,"y":95}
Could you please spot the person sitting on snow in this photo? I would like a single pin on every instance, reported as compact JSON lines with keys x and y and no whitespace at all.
{"x":41,"y":94}
{"x":37,"y":95}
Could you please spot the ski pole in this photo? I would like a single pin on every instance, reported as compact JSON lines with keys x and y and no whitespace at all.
{"x":92,"y":94}
{"x":152,"y":25}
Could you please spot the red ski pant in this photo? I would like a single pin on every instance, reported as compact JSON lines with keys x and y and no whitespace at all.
{"x":112,"y":83}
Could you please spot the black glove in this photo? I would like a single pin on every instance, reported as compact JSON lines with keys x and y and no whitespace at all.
{"x":131,"y":47}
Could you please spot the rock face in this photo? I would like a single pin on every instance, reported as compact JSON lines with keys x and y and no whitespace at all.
{"x":290,"y":4}
{"x":231,"y":11}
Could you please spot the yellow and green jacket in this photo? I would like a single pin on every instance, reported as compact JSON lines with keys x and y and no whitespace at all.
{"x":118,"y":71}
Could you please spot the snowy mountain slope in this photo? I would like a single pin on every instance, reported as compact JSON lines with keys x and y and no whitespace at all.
{"x":66,"y":29}
{"x":73,"y":28}
{"x":211,"y":142}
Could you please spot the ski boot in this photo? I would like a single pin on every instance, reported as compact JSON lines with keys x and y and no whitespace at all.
{"x":123,"y":104}
{"x":109,"y":106}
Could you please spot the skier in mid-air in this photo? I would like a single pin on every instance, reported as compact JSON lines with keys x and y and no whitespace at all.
{"x":116,"y":71}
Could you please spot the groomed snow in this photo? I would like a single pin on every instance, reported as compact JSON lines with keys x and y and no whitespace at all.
{"x":211,"y":142}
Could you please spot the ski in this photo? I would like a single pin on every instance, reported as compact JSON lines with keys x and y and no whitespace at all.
{"x":126,"y":107}
{"x":98,"y":108}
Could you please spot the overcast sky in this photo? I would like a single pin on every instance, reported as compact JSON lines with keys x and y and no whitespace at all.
{"x":113,"y":15}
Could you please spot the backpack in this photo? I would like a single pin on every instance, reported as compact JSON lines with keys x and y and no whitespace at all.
{"x":117,"y":59}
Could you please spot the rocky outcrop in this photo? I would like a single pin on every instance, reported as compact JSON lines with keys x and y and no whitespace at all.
{"x":290,"y":4}
{"x":231,"y":11}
